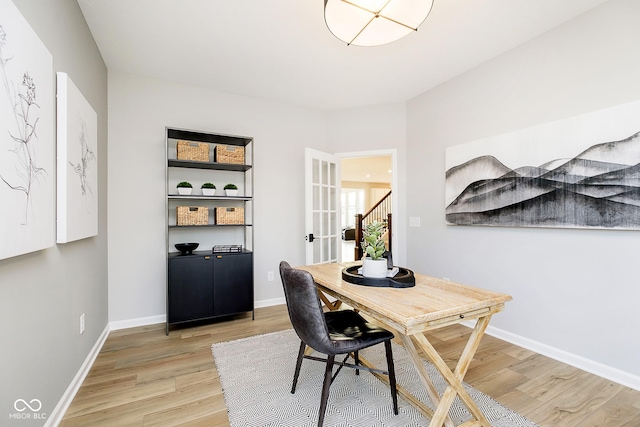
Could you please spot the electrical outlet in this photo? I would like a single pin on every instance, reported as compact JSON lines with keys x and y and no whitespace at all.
{"x":82,"y":323}
{"x":270,"y":276}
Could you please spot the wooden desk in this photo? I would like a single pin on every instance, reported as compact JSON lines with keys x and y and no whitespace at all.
{"x":431,"y":304}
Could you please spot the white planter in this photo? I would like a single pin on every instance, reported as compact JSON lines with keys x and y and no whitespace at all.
{"x":376,"y":269}
{"x":184,"y":191}
{"x":231,"y":192}
{"x":209,"y":191}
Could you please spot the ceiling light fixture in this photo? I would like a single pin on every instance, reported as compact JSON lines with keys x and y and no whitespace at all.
{"x":374,"y":22}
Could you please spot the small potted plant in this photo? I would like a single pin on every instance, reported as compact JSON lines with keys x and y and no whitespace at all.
{"x":208,"y":189}
{"x":231,"y":189}
{"x":373,"y":247}
{"x":184,"y":188}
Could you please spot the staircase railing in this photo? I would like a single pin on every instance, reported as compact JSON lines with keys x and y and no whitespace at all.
{"x":381,"y":212}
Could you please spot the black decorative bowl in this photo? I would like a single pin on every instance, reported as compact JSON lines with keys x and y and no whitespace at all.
{"x":186,"y":248}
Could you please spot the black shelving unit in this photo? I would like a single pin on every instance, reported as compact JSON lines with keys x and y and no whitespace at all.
{"x":204,"y":285}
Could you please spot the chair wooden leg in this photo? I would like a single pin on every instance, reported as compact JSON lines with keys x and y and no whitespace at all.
{"x":298,"y":365}
{"x":325,"y":388}
{"x":392,"y":376}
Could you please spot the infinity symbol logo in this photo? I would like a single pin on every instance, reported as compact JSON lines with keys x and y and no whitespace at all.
{"x":22,"y":405}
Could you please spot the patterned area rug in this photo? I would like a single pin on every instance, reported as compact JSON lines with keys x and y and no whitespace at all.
{"x":256,"y":375}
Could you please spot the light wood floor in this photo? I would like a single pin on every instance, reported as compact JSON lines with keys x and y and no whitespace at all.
{"x":144,"y":378}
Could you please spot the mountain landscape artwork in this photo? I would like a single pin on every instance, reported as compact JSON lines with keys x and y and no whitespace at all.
{"x":582,"y":172}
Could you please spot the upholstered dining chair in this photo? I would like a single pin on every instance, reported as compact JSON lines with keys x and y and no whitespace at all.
{"x":333,"y":333}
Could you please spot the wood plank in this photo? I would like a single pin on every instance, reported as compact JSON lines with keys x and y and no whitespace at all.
{"x":589,"y":394}
{"x":621,"y":409}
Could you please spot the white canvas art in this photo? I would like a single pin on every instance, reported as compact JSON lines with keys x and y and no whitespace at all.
{"x":27,"y":147}
{"x":77,"y":164}
{"x":580,"y":172}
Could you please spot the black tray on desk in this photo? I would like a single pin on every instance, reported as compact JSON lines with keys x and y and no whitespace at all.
{"x":403,"y":279}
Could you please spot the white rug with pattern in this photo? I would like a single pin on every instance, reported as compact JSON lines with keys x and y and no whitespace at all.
{"x":256,"y":375}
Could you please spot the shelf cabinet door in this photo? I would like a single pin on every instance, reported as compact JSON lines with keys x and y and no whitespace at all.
{"x":233,"y":278}
{"x":190,"y":288}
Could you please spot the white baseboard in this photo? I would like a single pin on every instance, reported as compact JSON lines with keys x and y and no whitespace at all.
{"x":161,"y":318}
{"x":140,"y":321}
{"x":61,"y":408}
{"x":613,"y":374}
{"x":269,"y":302}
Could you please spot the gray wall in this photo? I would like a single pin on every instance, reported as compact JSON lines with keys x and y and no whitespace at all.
{"x":368,"y":129}
{"x":43,"y":294}
{"x":575,"y":291}
{"x":141,"y":107}
{"x":139,"y":110}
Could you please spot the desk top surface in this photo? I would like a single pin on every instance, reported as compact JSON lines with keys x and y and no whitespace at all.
{"x":431,"y":303}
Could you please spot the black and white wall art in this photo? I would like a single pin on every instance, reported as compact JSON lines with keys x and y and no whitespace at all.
{"x":580,"y":172}
{"x":77,"y":163}
{"x":27,"y":144}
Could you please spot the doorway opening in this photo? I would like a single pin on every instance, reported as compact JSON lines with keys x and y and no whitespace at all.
{"x":365,"y":180}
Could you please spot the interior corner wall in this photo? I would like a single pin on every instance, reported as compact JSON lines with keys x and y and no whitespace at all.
{"x":574,"y":290}
{"x":139,"y":110}
{"x":43,"y":293}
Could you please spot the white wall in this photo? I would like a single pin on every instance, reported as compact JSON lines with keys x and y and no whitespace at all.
{"x":376,"y":130}
{"x":575,"y":291}
{"x":139,"y":110}
{"x":43,"y":294}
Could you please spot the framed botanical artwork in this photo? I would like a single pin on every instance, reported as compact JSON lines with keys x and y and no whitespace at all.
{"x":27,"y":137}
{"x":579,"y":172}
{"x":77,"y":164}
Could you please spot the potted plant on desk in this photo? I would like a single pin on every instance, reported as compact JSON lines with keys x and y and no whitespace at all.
{"x":373,"y":264}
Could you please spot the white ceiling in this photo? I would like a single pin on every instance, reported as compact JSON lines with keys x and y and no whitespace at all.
{"x":281,"y":50}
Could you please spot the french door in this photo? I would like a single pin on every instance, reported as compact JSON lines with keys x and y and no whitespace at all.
{"x":322,"y":207}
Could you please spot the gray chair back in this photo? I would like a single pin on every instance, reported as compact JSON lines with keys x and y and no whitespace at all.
{"x":305,"y":308}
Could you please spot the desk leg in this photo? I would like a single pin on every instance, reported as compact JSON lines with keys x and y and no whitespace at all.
{"x":332,"y":306}
{"x":426,"y":380}
{"x":455,"y":378}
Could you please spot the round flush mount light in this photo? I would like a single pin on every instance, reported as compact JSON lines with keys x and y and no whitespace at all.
{"x":374,"y":22}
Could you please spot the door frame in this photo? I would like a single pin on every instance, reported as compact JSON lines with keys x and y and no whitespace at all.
{"x":398,"y":250}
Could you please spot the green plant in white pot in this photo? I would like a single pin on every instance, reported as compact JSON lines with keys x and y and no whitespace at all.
{"x":208,"y":189}
{"x":184,"y":188}
{"x":231,"y":189}
{"x":373,"y":247}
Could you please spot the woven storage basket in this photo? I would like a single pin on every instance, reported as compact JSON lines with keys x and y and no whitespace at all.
{"x":229,"y":215}
{"x":196,"y":151}
{"x":230,"y":154}
{"x":192,"y":215}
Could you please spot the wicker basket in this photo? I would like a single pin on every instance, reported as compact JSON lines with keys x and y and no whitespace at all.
{"x":192,"y":215}
{"x":195,"y":151}
{"x":230,"y":154}
{"x":229,"y":215}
